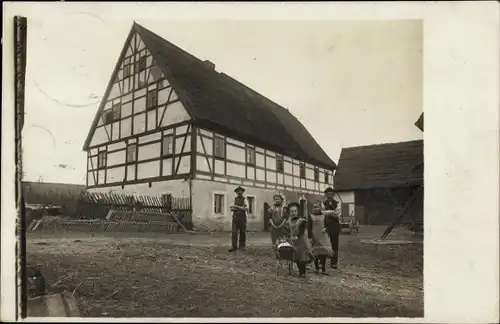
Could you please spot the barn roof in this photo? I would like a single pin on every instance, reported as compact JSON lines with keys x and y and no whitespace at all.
{"x":218,"y":102}
{"x":380,"y":166}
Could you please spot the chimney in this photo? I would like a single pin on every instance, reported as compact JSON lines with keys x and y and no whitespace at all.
{"x":209,"y":64}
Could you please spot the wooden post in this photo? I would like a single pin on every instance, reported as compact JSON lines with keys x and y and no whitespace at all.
{"x":410,"y":202}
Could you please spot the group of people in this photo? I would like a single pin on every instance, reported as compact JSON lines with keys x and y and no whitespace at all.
{"x":322,"y":226}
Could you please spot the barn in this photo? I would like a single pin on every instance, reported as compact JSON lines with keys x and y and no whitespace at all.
{"x":380,"y":180}
{"x":171,"y":125}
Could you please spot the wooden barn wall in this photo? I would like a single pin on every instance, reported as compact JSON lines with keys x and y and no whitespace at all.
{"x":383,"y":206}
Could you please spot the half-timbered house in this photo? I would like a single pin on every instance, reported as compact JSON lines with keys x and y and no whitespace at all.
{"x":169,"y":124}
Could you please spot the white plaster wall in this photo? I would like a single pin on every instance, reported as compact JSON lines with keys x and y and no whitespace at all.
{"x":115,"y":174}
{"x":204,"y":217}
{"x":178,"y":189}
{"x":347,"y":197}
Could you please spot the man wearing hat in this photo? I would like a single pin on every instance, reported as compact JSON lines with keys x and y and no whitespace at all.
{"x":239,"y":209}
{"x":332,"y":212}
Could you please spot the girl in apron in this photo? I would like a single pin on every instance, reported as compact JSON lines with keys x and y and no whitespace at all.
{"x":278,"y":221}
{"x":318,"y":235}
{"x":298,"y":228}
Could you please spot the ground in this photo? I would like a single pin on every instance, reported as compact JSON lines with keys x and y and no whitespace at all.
{"x":193,"y":275}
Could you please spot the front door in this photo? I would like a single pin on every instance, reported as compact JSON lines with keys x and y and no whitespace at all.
{"x":302,"y":208}
{"x":266,"y":217}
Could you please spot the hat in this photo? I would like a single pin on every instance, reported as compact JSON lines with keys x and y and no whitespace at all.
{"x":239,"y":189}
{"x":278,"y":196}
{"x":329,"y":189}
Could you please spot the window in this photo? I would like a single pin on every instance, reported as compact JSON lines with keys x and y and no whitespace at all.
{"x":116,"y":112}
{"x":250,"y":156}
{"x":101,"y":160}
{"x":251,"y":204}
{"x":219,"y":147}
{"x":141,"y":64}
{"x":126,"y":71}
{"x":302,"y":170}
{"x":152,"y":99}
{"x":327,"y":176}
{"x":218,"y":204}
{"x":316,"y":174}
{"x":131,"y":153}
{"x":167,"y":200}
{"x":280,"y":164}
{"x":108,"y":116}
{"x":168,"y":145}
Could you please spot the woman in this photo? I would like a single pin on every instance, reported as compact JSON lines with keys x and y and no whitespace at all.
{"x":319,"y":238}
{"x":277,"y":221}
{"x":298,"y":227}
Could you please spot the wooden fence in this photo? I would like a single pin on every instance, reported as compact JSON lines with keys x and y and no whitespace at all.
{"x":140,"y":208}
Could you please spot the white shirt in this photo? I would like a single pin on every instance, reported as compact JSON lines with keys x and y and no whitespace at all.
{"x":337,"y":212}
{"x":245,"y":204}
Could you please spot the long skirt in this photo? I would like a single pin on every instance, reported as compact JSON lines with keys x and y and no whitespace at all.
{"x":302,"y":250}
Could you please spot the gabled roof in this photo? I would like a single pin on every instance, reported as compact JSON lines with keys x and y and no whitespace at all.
{"x":420,"y":122}
{"x":220,"y":103}
{"x":380,"y":166}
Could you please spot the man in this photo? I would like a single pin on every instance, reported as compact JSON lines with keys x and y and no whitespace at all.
{"x":331,"y":210}
{"x":239,"y":209}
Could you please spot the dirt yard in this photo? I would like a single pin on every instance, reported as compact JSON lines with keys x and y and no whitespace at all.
{"x":193,"y":275}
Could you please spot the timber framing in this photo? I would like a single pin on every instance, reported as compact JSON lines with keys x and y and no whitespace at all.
{"x":151,"y":105}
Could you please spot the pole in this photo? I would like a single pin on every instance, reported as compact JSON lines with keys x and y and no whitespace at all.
{"x":403,"y":212}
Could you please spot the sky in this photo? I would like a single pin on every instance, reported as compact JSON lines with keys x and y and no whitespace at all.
{"x":350,"y":83}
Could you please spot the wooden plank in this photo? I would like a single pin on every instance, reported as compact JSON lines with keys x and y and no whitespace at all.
{"x":174,"y":216}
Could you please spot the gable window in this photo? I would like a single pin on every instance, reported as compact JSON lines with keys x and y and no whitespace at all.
{"x":140,"y":83}
{"x":101,"y":160}
{"x":168,"y":145}
{"x":250,"y":155}
{"x":219,"y":147}
{"x":327,"y":176}
{"x":152,"y":99}
{"x":116,"y":112}
{"x":127,"y":68}
{"x":251,"y":204}
{"x":302,"y":170}
{"x":131,"y":153}
{"x":316,"y":174}
{"x":108,"y":116}
{"x":280,"y":167}
{"x":218,"y":204}
{"x":141,"y":64}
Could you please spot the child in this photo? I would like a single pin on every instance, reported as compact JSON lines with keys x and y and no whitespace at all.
{"x":298,"y":227}
{"x":319,"y":238}
{"x":278,"y":221}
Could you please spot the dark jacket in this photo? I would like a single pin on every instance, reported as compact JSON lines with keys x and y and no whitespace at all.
{"x":239,"y":215}
{"x":332,"y":224}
